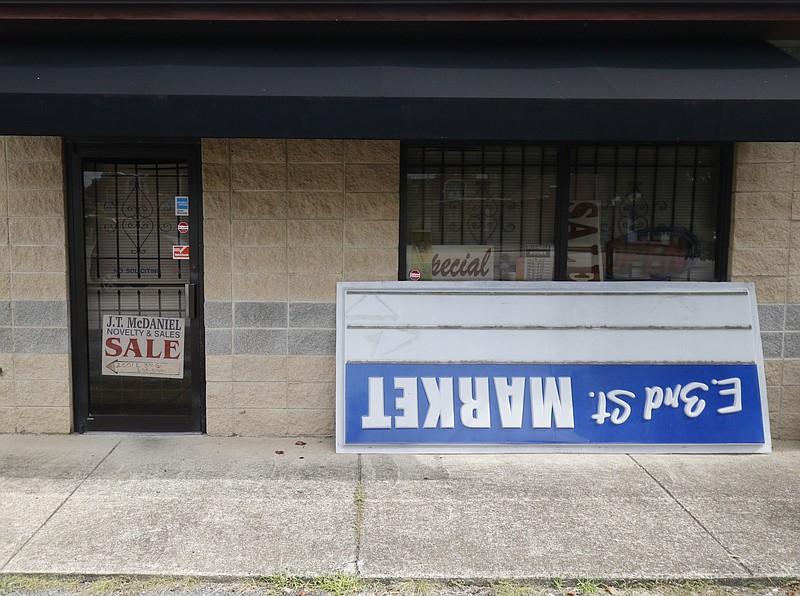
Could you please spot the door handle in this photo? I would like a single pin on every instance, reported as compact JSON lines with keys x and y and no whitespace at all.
{"x":191,"y":300}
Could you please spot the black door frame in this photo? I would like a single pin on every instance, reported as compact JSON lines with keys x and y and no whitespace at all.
{"x":76,"y":151}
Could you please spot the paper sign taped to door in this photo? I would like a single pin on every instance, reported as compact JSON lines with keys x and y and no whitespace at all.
{"x":136,"y":346}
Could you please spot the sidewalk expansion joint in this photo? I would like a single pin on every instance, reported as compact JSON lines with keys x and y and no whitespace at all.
{"x":733,"y":557}
{"x":358,"y":522}
{"x":57,"y":509}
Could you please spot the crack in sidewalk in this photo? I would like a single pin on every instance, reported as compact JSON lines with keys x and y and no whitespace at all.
{"x":57,"y":509}
{"x":734,"y":557}
{"x":358,"y":499}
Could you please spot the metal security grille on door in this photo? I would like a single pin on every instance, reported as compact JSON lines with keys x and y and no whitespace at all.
{"x":131,"y":208}
{"x":140,"y":296}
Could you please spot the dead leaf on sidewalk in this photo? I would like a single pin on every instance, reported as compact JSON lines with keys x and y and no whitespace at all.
{"x":279,"y":451}
{"x":611,"y":589}
{"x":300,"y":443}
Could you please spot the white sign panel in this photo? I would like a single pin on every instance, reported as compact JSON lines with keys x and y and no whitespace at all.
{"x":619,"y":366}
{"x":136,"y":346}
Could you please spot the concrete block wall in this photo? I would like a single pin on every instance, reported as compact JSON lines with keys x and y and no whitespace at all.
{"x":284,"y":220}
{"x":765,"y":249}
{"x":35,"y":386}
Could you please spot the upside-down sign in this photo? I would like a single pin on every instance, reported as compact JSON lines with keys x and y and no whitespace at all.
{"x":136,"y":346}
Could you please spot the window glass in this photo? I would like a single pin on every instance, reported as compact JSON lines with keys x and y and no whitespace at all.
{"x":492,"y":212}
{"x":482,"y":212}
{"x":643,"y":213}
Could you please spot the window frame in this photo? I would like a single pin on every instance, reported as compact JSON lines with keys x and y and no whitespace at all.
{"x":563,"y":178}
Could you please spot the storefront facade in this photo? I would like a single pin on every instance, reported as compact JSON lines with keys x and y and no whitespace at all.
{"x":277,"y":217}
{"x":283,"y":221}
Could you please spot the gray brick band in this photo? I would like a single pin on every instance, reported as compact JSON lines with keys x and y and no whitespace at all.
{"x":771,"y":316}
{"x":319,"y":342}
{"x":260,"y":314}
{"x":259,"y":341}
{"x":45,"y":313}
{"x":272,"y":328}
{"x":317,"y":315}
{"x":34,"y":327}
{"x":218,"y":315}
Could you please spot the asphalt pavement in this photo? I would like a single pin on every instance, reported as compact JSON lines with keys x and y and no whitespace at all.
{"x":192,"y":505}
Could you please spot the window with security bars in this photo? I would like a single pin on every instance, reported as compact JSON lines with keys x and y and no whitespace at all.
{"x":643,"y":213}
{"x":480,"y":212}
{"x":494,"y":212}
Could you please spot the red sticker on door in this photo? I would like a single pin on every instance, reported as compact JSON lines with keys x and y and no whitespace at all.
{"x":183,"y":227}
{"x":180,"y":252}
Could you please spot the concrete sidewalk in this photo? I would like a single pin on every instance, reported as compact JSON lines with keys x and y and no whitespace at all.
{"x":196,"y":505}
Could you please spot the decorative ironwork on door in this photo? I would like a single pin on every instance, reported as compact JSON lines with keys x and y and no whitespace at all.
{"x":135,"y":226}
{"x":134,"y":214}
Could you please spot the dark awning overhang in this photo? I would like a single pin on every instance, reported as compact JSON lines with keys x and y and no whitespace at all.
{"x":685,"y":91}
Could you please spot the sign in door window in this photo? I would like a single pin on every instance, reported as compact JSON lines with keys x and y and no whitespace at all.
{"x":143,"y":346}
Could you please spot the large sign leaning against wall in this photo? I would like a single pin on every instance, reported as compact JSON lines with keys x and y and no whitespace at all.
{"x":622,"y":366}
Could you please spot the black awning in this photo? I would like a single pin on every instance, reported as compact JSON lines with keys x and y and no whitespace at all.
{"x":626,"y":92}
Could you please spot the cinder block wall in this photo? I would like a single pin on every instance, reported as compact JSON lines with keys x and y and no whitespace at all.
{"x":284,"y":220}
{"x":765,"y":249}
{"x":35,"y":387}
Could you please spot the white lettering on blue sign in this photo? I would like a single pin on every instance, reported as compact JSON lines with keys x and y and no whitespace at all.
{"x":735,"y":391}
{"x":655,"y":397}
{"x":440,"y":404}
{"x":474,"y":411}
{"x":549,"y":401}
{"x":619,"y":414}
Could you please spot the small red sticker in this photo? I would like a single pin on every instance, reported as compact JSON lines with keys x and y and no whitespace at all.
{"x":414,"y":275}
{"x":180,"y":252}
{"x":183,"y":227}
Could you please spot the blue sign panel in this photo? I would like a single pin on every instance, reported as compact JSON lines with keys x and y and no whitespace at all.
{"x":181,"y":205}
{"x":530,"y":404}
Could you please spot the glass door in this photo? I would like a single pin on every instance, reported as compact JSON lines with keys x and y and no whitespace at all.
{"x":136,"y":264}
